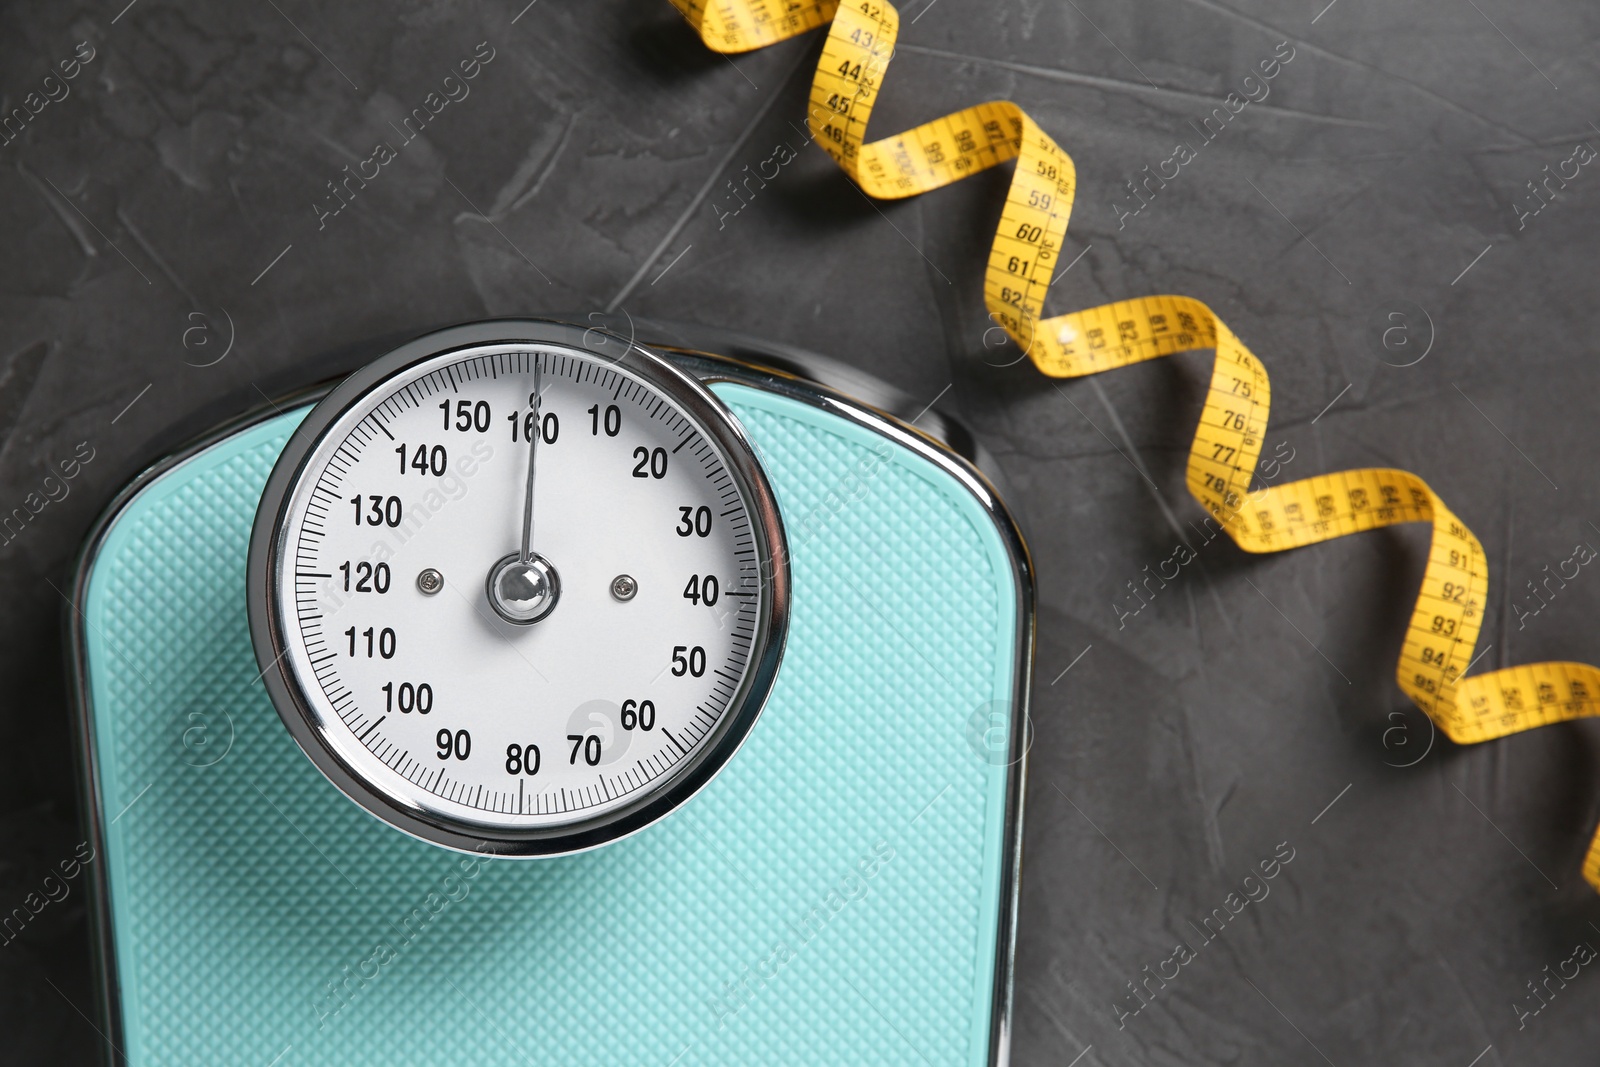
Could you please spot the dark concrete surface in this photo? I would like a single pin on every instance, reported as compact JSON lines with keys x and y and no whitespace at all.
{"x":144,"y":222}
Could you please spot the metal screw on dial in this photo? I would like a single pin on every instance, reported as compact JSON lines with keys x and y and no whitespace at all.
{"x":430,"y":581}
{"x":623,"y":587}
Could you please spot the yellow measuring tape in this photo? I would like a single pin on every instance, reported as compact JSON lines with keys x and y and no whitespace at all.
{"x":1027,"y":246}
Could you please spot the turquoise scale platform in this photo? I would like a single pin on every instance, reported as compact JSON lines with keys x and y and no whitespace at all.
{"x":833,"y":897}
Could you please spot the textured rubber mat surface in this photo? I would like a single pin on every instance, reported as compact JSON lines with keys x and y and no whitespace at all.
{"x":830,"y":898}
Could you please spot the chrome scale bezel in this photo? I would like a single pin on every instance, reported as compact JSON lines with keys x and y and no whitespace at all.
{"x":419,"y":814}
{"x":712,"y":356}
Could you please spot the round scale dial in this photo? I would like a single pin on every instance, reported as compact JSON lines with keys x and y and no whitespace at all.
{"x":520,"y":596}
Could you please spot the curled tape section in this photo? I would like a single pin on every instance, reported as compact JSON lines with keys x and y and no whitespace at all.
{"x":1448,"y":615}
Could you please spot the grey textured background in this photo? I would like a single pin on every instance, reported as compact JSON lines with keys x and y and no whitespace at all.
{"x":1182,"y":748}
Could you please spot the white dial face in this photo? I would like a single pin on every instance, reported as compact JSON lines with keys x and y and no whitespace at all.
{"x":411,"y":675}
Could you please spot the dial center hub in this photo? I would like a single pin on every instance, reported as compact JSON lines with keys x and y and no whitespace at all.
{"x":523,"y":591}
